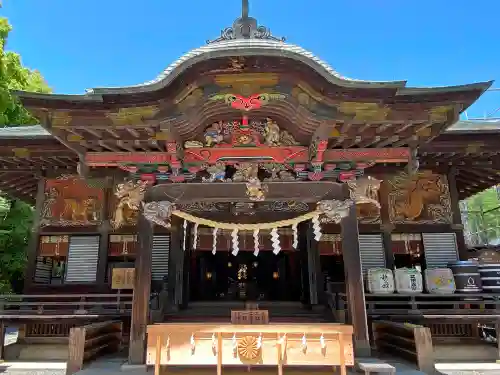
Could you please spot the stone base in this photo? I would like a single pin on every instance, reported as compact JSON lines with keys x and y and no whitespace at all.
{"x":473,"y":352}
{"x":36,"y":352}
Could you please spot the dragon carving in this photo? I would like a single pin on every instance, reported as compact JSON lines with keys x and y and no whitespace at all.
{"x":130,"y":195}
{"x":411,"y":196}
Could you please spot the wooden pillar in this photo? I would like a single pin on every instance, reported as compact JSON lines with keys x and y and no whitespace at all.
{"x":457,"y":225}
{"x":186,"y":274}
{"x":304,"y":267}
{"x":34,"y":240}
{"x":104,"y":230}
{"x":175,"y":243}
{"x":316,"y":287}
{"x":354,"y":283}
{"x":176,"y":263}
{"x":142,"y":290}
{"x":387,"y":227}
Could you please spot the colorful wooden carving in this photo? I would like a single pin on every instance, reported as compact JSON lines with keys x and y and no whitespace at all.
{"x":129,"y":195}
{"x":248,"y":103}
{"x":424,"y":198}
{"x":365,"y":193}
{"x":69,"y":201}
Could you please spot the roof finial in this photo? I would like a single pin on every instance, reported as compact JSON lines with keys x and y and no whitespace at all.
{"x":245,"y":27}
{"x":244,"y":9}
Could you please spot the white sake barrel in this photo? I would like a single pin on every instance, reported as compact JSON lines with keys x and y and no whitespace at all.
{"x":440,"y":281}
{"x":380,"y":281}
{"x":408,"y":280}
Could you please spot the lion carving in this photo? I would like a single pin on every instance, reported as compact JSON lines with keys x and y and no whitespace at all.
{"x":130,"y":196}
{"x":80,"y":210}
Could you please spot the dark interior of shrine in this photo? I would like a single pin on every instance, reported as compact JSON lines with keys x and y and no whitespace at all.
{"x":244,"y":276}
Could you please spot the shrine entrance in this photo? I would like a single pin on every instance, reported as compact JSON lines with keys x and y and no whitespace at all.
{"x":245,"y":277}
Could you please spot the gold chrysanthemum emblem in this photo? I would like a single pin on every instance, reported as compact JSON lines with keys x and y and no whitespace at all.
{"x":248,"y":348}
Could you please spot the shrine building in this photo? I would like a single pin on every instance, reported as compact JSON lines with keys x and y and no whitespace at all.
{"x":248,"y":170}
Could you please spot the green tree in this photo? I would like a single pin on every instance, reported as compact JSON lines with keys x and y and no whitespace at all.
{"x":482,"y":217}
{"x":15,"y":228}
{"x":16,"y":217}
{"x":14,"y":76}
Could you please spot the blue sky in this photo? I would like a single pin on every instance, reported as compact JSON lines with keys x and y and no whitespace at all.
{"x":78,"y":44}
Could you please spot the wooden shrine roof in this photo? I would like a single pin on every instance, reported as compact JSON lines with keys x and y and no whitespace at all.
{"x":470,"y":147}
{"x":307,"y":100}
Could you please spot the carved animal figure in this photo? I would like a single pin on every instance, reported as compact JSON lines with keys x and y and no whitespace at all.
{"x":419,"y":192}
{"x":286,"y":139}
{"x":213,"y":134}
{"x":217,"y":173}
{"x":130,"y":195}
{"x":334,"y":210}
{"x":246,"y":172}
{"x":365,"y":190}
{"x":80,"y":210}
{"x":272,"y":133}
{"x":255,"y":190}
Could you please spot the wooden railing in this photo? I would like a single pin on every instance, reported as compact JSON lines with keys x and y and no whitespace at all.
{"x":463,"y":312}
{"x":409,"y":341}
{"x":89,"y":341}
{"x":424,"y":304}
{"x":65,"y":304}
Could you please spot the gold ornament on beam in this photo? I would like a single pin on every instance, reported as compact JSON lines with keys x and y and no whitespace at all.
{"x":130,"y":194}
{"x":132,"y":116}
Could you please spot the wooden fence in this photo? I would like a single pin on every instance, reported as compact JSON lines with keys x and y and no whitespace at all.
{"x":65,"y":304}
{"x":409,"y":341}
{"x":89,"y":341}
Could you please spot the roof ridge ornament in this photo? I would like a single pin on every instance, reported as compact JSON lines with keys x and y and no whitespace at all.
{"x":245,"y":27}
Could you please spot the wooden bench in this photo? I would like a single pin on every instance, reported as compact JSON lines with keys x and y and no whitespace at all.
{"x":89,"y":341}
{"x":369,"y":365}
{"x":250,"y":317}
{"x":410,"y":341}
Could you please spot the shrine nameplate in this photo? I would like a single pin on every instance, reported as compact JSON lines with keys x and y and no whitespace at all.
{"x":254,"y":345}
{"x":123,"y":278}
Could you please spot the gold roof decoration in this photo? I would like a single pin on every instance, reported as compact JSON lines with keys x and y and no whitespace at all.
{"x":247,"y":83}
{"x":132,"y":115}
{"x":60,"y":119}
{"x":440,"y":113}
{"x":21,"y":152}
{"x":364,"y":111}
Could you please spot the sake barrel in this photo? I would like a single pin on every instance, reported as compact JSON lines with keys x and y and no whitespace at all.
{"x":439,"y":281}
{"x":467,"y":276}
{"x":490,"y":277}
{"x":380,"y":281}
{"x":408,"y":280}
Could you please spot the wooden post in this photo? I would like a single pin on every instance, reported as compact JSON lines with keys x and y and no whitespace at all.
{"x":304,"y":267}
{"x":176,"y":272}
{"x":76,"y":350}
{"x":186,"y":274}
{"x":104,"y":229}
{"x":424,"y":350}
{"x":386,"y":226}
{"x":457,"y":225}
{"x":34,"y":240}
{"x":2,"y":339}
{"x":354,"y":283}
{"x":316,"y":287}
{"x":142,"y":290}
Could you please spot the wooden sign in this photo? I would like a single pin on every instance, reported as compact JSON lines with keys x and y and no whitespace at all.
{"x":123,"y":278}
